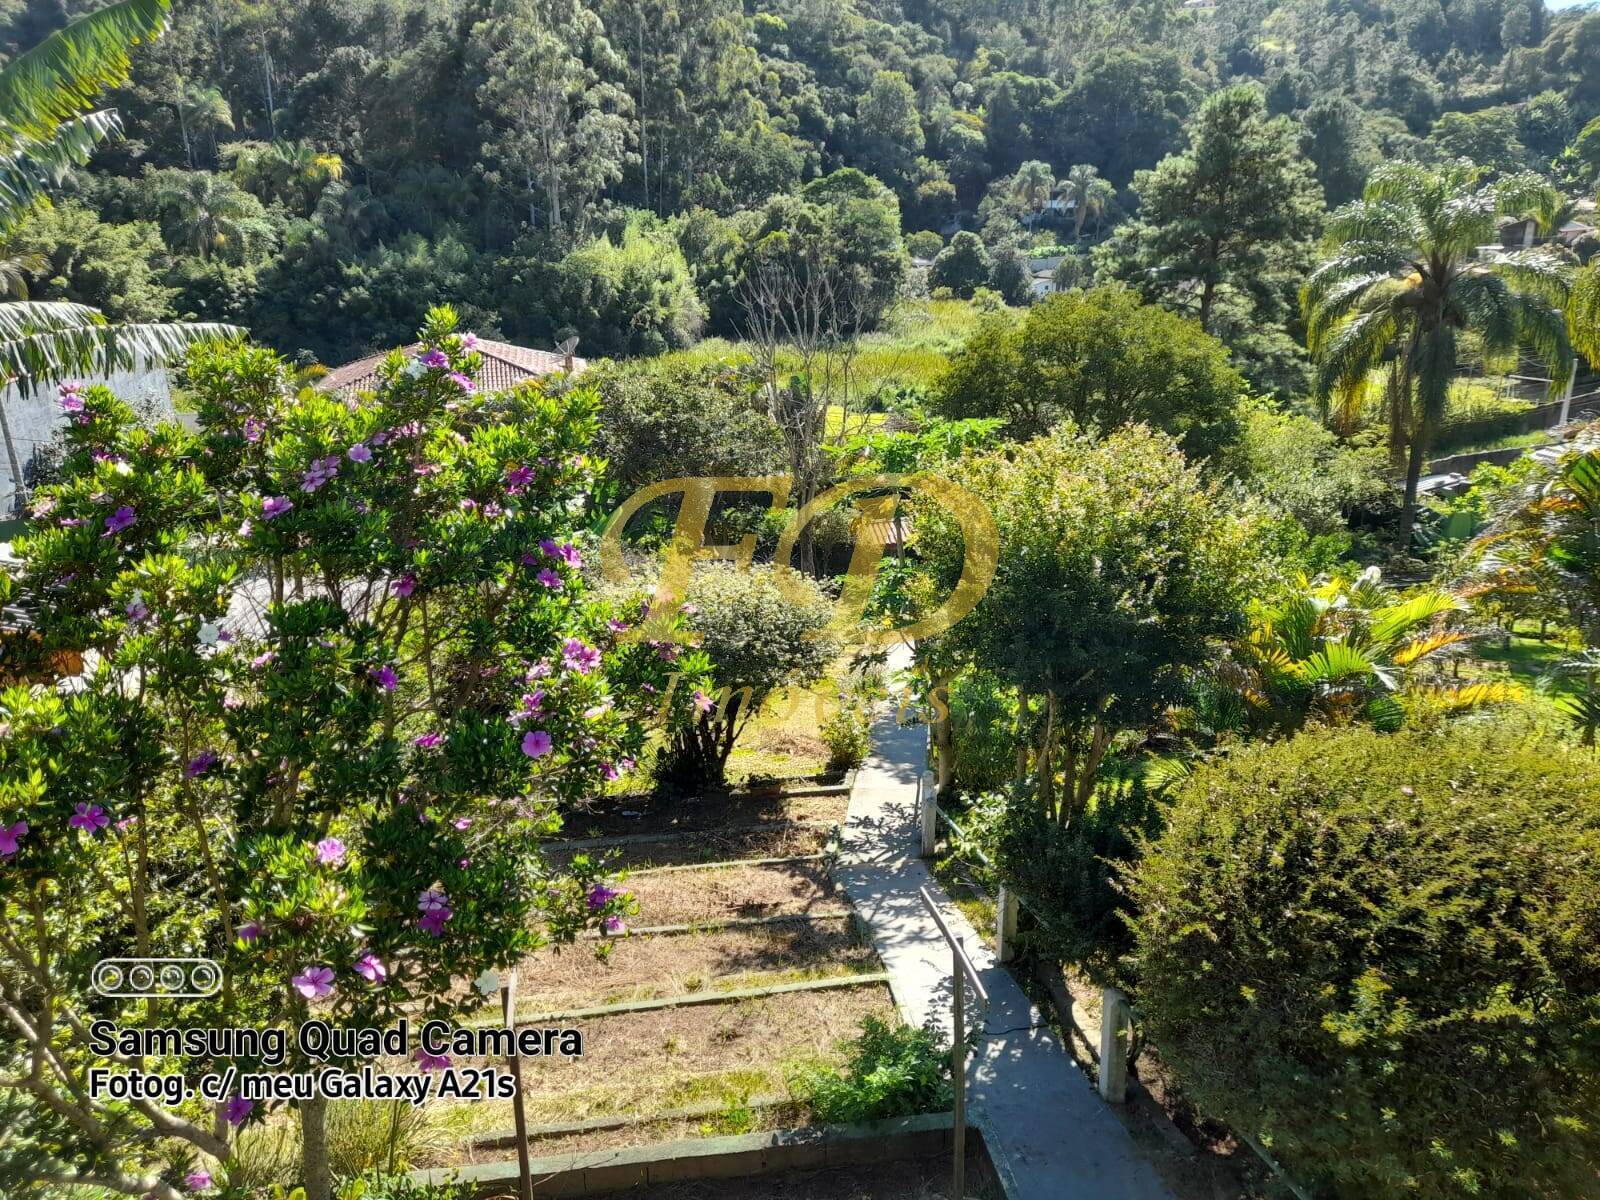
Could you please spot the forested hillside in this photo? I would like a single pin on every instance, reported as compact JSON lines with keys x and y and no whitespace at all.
{"x":323,"y":170}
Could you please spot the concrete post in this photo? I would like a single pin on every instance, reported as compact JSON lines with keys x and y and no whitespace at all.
{"x":928,"y":814}
{"x":1005,"y":926}
{"x":1114,"y":1018}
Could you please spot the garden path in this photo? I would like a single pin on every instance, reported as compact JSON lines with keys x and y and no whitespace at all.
{"x":1047,"y":1132}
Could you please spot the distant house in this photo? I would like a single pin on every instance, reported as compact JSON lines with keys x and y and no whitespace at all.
{"x":504,"y":365}
{"x":30,"y":421}
{"x":1523,"y":233}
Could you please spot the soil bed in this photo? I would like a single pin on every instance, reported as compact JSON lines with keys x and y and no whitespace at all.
{"x":669,"y":1059}
{"x":647,"y":814}
{"x":783,"y":841}
{"x":773,"y":889}
{"x":914,"y":1179}
{"x":652,"y":966}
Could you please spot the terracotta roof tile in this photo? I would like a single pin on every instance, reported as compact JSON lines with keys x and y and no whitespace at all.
{"x":504,"y":365}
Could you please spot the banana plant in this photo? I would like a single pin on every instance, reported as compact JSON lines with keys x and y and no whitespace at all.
{"x":1350,"y":650}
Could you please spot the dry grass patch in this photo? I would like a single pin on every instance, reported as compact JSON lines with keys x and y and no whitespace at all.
{"x":653,"y":966}
{"x":634,"y":815}
{"x":772,"y":889}
{"x":781,"y":841}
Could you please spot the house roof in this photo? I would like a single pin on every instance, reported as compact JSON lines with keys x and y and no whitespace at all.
{"x":504,"y":365}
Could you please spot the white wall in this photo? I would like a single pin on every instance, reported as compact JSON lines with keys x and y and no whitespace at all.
{"x":32,"y":421}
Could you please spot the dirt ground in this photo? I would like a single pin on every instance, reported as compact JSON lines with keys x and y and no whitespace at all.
{"x":652,"y":966}
{"x":685,"y":897}
{"x":630,"y":815}
{"x":924,"y":1179}
{"x":670,"y":1058}
{"x":781,"y":841}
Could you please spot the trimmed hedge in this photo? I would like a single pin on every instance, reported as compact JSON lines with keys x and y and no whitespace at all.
{"x":1380,"y":954}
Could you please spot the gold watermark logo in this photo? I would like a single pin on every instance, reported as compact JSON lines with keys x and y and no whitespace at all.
{"x":878,"y":505}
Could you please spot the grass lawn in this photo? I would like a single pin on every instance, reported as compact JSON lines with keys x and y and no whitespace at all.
{"x":1528,"y":660}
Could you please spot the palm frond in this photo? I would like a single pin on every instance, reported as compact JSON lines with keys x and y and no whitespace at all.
{"x":32,"y":359}
{"x":1337,"y":663}
{"x":1420,"y":648}
{"x":1473,"y":695}
{"x":1354,"y":349}
{"x":60,"y":78}
{"x":1536,"y":273}
{"x":1390,"y":624}
{"x":1583,"y":313}
{"x":33,"y":166}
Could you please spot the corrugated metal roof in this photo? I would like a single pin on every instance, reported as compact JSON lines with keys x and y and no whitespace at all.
{"x":504,"y":365}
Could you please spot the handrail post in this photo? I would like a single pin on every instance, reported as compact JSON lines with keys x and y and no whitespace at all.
{"x":928,"y":813}
{"x":1114,"y":1017}
{"x":1005,"y":922}
{"x":958,"y":1075}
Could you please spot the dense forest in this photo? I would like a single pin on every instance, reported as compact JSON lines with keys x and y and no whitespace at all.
{"x":322,"y":171}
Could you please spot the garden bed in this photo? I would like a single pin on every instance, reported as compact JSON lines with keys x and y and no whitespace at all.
{"x":817,"y":799}
{"x":653,"y":966}
{"x":709,"y":846}
{"x":771,"y":889}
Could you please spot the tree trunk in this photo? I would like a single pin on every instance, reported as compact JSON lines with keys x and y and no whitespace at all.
{"x":1208,"y":297}
{"x":944,"y":738}
{"x":314,"y":1149}
{"x":1408,"y":506}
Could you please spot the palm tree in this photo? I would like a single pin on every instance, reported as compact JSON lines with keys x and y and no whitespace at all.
{"x":1088,"y":193}
{"x":294,"y":172}
{"x":1551,"y":210}
{"x":15,"y":267}
{"x":200,"y":110}
{"x":1344,"y":651}
{"x":48,"y":124}
{"x":208,"y":212}
{"x":1405,"y":281}
{"x":1583,"y":313}
{"x":1032,"y":186}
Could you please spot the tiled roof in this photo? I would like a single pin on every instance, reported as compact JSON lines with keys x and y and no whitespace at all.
{"x":504,"y":366}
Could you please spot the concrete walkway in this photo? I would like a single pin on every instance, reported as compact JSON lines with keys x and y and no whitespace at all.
{"x":1048,"y":1133}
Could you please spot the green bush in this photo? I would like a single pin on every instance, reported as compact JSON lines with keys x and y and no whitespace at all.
{"x":924,"y":243}
{"x":983,"y":716}
{"x":847,"y":737}
{"x":1380,"y":954}
{"x":1068,"y":873}
{"x":889,"y":1073}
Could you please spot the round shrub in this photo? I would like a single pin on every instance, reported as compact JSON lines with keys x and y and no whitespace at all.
{"x":1380,"y":955}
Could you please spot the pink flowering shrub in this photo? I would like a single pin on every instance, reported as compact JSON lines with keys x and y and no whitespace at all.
{"x":335,"y":707}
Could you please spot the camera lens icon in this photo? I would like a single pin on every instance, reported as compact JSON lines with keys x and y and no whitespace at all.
{"x":156,"y":978}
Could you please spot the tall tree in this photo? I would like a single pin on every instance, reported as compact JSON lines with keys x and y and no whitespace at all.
{"x":1405,"y":281}
{"x":1229,"y":209}
{"x":555,"y":121}
{"x":1031,"y":186}
{"x":1089,"y":194}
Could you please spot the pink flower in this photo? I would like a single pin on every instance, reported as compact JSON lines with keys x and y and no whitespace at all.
{"x":370,"y":968}
{"x":263,"y":659}
{"x":469,"y":341}
{"x":275,"y":506}
{"x":427,"y":741}
{"x":137,"y":609}
{"x":119,"y":520}
{"x":600,"y":896}
{"x":198,"y":1181}
{"x":550,"y":579}
{"x":385,"y":677}
{"x":10,"y":837}
{"x":433,"y":900}
{"x":88,"y":816}
{"x":609,"y":773}
{"x":702,"y":701}
{"x":359,"y":453}
{"x":434,"y":358}
{"x":536,"y":743}
{"x":614,"y":926}
{"x":252,"y":429}
{"x":330,"y":852}
{"x":462,"y":823}
{"x":314,"y":983}
{"x":575,"y":656}
{"x":463,"y":382}
{"x":432,"y":1062}
{"x":617,"y":626}
{"x":518,"y":478}
{"x":237,"y":1109}
{"x":248,"y":933}
{"x":201,"y":763}
{"x":405,"y":585}
{"x":70,"y":402}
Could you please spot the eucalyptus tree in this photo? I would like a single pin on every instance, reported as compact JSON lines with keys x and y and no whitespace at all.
{"x":1406,"y":279}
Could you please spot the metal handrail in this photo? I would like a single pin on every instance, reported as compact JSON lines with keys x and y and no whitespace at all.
{"x":967,"y":967}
